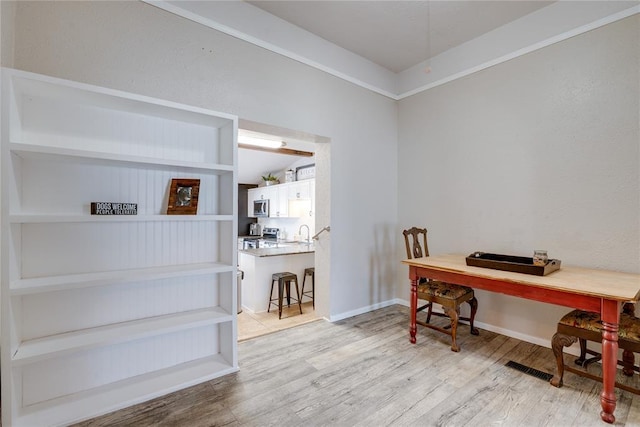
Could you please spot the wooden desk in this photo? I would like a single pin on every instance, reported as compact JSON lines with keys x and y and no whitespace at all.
{"x":598,"y":291}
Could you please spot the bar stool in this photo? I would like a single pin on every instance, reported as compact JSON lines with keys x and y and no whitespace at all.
{"x":282,"y":279}
{"x":311,"y":271}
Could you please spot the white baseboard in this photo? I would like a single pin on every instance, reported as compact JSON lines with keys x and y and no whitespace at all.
{"x":362,"y":310}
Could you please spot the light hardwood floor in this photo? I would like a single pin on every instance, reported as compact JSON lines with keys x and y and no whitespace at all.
{"x":363,"y":371}
{"x":251,"y":325}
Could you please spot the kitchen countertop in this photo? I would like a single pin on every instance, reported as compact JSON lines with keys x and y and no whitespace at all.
{"x":287,"y":248}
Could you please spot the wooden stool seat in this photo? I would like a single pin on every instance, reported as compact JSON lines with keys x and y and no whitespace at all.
{"x":284,"y":278}
{"x":584,"y":326}
{"x":283,"y":275}
{"x":311,"y":271}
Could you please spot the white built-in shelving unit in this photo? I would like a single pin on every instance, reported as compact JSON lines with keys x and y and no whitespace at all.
{"x":101,"y":312}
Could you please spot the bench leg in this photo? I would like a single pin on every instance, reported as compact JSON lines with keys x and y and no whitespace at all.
{"x":558,"y":342}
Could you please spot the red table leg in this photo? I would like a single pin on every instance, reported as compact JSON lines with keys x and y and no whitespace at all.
{"x":610,"y":319}
{"x":413,"y":305}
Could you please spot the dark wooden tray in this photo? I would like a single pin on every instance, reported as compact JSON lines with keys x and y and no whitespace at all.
{"x":517,"y":264}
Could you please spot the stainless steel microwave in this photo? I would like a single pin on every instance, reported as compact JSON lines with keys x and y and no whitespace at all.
{"x":261,"y":208}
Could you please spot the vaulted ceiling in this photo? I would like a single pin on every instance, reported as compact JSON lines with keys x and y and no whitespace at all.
{"x":399,"y":48}
{"x":399,"y":34}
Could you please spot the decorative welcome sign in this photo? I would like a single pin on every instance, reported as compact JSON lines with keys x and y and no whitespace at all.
{"x":110,"y":208}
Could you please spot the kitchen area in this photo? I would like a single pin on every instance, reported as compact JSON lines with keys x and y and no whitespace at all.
{"x":276,"y":228}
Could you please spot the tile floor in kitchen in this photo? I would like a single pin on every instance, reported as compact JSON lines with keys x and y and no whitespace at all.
{"x":251,"y":325}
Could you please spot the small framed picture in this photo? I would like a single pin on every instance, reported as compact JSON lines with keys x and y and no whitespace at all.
{"x":306,"y":172}
{"x":183,"y":197}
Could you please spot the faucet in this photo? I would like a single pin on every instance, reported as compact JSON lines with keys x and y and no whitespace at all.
{"x":308,"y":232}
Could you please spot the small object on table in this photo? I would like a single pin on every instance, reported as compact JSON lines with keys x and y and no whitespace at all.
{"x":540,"y":258}
{"x":517,"y":264}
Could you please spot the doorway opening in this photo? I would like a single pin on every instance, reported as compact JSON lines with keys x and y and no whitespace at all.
{"x":304,"y":217}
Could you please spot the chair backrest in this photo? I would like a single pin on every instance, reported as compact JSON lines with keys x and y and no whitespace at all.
{"x":412,"y":242}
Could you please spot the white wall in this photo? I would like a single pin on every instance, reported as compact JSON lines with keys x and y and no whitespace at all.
{"x":136,"y":47}
{"x":7,"y":15}
{"x":541,"y":152}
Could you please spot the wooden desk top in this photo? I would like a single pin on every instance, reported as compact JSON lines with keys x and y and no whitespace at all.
{"x":605,"y":284}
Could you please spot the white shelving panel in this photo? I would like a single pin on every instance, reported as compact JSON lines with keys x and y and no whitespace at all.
{"x":102,"y":312}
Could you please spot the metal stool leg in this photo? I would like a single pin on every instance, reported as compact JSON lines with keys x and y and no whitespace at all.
{"x":313,"y":286}
{"x":280,"y":292}
{"x":313,"y":290}
{"x":288,"y":291}
{"x":270,"y":296}
{"x":298,"y":293}
{"x":304,"y":279}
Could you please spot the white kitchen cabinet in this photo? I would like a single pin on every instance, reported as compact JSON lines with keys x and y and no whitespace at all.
{"x":279,"y":205}
{"x":277,"y":196}
{"x":101,"y":312}
{"x":260,"y":193}
{"x":281,"y":196}
{"x":251,"y":197}
{"x":312,"y":192}
{"x":300,"y":190}
{"x":301,"y":198}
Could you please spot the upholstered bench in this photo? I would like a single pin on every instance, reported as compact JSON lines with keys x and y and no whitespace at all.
{"x":586,"y":326}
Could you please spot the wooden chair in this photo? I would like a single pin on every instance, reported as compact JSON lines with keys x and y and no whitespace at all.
{"x":448,"y":295}
{"x":586,"y":326}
